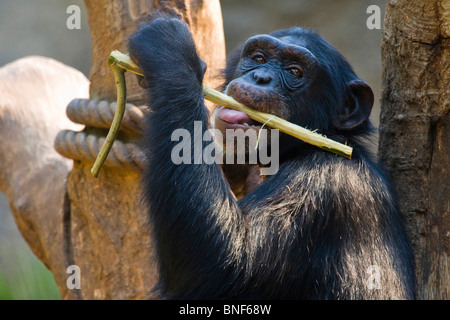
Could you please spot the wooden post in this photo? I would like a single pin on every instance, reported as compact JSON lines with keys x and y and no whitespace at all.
{"x":415,"y":131}
{"x":109,"y":235}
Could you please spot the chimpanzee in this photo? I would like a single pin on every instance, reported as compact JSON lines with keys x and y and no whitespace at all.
{"x":322,"y":227}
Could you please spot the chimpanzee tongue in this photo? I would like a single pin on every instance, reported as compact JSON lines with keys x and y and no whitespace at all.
{"x":234,"y":117}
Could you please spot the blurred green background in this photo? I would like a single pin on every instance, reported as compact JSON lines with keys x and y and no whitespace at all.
{"x":22,"y":275}
{"x":38,"y":27}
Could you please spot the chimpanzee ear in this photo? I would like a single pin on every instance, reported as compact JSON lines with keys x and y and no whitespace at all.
{"x":358,"y":105}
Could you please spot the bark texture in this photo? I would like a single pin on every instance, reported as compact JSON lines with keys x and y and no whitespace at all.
{"x":415,"y":131}
{"x":112,"y":23}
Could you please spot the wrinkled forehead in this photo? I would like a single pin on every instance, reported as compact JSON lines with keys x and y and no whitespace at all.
{"x":286,"y":46}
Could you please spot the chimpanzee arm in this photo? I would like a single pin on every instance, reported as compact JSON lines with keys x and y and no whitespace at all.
{"x":195,"y":218}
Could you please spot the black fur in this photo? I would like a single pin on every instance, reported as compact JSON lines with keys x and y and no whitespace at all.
{"x":309,"y":232}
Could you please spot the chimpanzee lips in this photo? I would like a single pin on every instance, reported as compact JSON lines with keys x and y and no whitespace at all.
{"x":235,"y":117}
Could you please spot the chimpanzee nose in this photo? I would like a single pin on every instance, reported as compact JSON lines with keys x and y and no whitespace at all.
{"x":262,"y":76}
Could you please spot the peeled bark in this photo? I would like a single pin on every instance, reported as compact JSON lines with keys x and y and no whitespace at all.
{"x":415,"y":131}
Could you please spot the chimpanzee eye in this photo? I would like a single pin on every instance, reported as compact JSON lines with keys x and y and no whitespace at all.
{"x":295,"y":71}
{"x":258,"y":57}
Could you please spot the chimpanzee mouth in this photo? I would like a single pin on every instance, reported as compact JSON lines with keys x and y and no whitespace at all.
{"x":236,"y":119}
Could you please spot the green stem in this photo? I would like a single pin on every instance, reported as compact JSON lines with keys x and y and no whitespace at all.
{"x":119,"y":76}
{"x":120,"y":63}
{"x":275,"y":122}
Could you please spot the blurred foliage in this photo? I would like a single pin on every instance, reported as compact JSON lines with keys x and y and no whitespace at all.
{"x":24,"y":277}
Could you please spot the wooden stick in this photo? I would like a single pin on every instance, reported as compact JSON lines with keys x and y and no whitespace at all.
{"x":119,"y":76}
{"x":275,"y":122}
{"x":124,"y":61}
{"x":120,"y":63}
{"x":272,"y":121}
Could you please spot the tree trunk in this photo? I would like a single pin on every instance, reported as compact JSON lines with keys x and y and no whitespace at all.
{"x":108,"y":233}
{"x":415,"y":131}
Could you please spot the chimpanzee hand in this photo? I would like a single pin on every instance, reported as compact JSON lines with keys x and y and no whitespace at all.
{"x":165,"y":52}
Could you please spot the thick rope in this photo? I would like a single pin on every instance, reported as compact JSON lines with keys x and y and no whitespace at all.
{"x":85,"y":146}
{"x":99,"y":114}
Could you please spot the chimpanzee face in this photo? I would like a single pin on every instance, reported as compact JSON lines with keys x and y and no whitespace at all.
{"x":296,"y":75}
{"x":270,"y":74}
